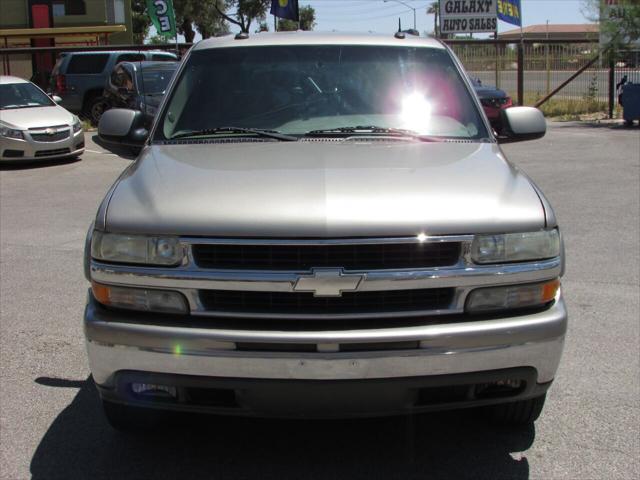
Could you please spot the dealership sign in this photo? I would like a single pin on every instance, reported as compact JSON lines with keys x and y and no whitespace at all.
{"x":468,"y":16}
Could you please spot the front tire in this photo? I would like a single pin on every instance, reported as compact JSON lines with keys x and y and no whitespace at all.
{"x":520,"y":413}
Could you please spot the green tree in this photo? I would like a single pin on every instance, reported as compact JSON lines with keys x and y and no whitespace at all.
{"x":202,"y":15}
{"x":157,"y":40}
{"x":246,"y":11}
{"x":140,"y":21}
{"x":307,"y":21}
{"x":434,"y":9}
{"x":620,"y":22}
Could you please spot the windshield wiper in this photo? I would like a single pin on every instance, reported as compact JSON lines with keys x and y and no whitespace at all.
{"x":375,"y":130}
{"x":252,"y":131}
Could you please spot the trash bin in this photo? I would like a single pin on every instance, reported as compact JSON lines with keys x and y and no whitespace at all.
{"x":630,"y":101}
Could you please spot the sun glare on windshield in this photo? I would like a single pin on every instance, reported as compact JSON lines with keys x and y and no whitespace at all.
{"x":416,"y":113}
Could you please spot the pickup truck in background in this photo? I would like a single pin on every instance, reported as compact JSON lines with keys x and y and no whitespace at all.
{"x":322,"y":225}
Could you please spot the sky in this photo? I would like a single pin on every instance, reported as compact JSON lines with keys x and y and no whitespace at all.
{"x":382,"y":16}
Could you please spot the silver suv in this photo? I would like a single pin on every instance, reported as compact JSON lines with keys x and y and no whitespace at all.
{"x":323,"y":225}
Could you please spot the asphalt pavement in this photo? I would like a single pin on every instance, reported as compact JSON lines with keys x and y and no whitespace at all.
{"x":51,"y":425}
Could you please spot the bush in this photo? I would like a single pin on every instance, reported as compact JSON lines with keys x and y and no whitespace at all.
{"x":558,"y":107}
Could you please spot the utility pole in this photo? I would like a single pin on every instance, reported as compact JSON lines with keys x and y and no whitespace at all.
{"x":548,"y":65}
{"x":409,"y":7}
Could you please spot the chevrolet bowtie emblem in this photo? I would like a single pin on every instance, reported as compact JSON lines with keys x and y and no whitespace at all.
{"x":50,"y":131}
{"x":328,"y":282}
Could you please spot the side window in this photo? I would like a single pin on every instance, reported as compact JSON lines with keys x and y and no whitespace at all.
{"x":62,"y":8}
{"x":130,"y":57}
{"x":158,"y":57}
{"x":88,"y":64}
{"x":75,"y":7}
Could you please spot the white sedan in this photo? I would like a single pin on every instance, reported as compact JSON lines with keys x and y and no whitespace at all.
{"x":33,"y":126}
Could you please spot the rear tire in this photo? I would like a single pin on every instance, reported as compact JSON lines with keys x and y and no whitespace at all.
{"x":125,"y":418}
{"x":520,"y":413}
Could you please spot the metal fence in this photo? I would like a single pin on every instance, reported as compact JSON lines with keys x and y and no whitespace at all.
{"x":526,"y":70}
{"x":546,"y":65}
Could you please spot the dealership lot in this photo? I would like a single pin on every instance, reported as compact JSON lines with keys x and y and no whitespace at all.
{"x":50,"y":420}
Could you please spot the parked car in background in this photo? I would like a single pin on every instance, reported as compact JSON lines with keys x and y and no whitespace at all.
{"x":322,"y":225}
{"x":78,"y":78}
{"x":493,"y":101}
{"x":33,"y":126}
{"x":139,"y":86}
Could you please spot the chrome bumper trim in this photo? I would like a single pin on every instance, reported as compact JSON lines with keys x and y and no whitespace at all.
{"x":534,"y":340}
{"x":376,"y":280}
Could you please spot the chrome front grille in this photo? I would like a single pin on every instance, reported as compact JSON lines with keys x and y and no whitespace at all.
{"x":51,"y":137}
{"x":303,"y":257}
{"x":275,"y":279}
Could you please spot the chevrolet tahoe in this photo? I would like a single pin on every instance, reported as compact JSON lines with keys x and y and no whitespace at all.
{"x":323,"y":225}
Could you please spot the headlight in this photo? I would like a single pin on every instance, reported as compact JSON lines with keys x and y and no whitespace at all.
{"x":113,"y":247}
{"x":77,"y":126}
{"x":143,"y":299}
{"x":10,"y":132}
{"x":516,"y":247}
{"x":512,"y":297}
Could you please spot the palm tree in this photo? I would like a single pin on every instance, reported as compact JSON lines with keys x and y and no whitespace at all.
{"x":434,"y":9}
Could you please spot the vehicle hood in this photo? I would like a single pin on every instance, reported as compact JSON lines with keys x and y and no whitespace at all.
{"x":323,"y":188}
{"x":34,"y":117}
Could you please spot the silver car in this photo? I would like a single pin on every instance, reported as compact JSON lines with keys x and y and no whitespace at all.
{"x":33,"y":126}
{"x":323,"y":225}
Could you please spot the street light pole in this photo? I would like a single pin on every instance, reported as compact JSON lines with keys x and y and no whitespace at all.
{"x":409,"y":7}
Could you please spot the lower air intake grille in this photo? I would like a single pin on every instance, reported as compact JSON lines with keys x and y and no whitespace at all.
{"x":305,"y":303}
{"x":47,"y":153}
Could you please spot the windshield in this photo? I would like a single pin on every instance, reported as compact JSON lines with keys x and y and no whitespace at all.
{"x":22,"y":95}
{"x":300,"y":89}
{"x":155,"y":80}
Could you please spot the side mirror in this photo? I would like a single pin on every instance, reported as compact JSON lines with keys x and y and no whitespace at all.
{"x":123,"y":126}
{"x":522,"y":123}
{"x":56,"y":98}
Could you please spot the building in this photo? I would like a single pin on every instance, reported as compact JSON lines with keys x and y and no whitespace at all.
{"x":48,"y":23}
{"x":567,"y":31}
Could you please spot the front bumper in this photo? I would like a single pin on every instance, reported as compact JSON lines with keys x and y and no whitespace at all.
{"x":27,"y":149}
{"x":120,"y":345}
